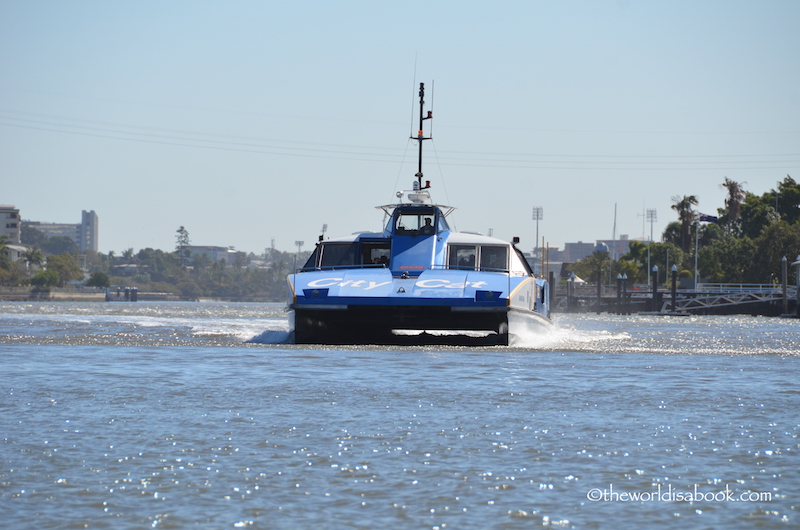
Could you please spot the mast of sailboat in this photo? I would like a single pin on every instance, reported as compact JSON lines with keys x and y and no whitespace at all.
{"x":421,"y":135}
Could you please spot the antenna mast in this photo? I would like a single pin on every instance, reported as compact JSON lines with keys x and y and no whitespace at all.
{"x":421,"y":135}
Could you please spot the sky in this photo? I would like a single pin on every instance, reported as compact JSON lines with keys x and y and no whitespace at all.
{"x":255,"y":123}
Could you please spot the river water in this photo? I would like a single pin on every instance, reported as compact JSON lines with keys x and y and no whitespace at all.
{"x":176,"y":415}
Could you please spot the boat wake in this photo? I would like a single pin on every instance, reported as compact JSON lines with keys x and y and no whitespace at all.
{"x":567,"y":338}
{"x":272,"y":336}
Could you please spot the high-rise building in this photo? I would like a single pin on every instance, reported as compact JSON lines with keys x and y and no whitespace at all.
{"x":85,"y":234}
{"x":10,"y":224}
{"x":90,"y":224}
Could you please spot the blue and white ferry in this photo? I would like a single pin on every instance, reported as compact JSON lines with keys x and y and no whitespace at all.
{"x":417,"y":282}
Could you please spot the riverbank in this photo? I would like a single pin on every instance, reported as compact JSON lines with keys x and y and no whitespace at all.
{"x":68,"y":294}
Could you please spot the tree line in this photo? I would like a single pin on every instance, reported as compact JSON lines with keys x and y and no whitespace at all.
{"x":743,"y":243}
{"x":152,"y":270}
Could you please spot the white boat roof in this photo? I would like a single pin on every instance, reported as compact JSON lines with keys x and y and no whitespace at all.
{"x":467,"y":237}
{"x":453,"y":238}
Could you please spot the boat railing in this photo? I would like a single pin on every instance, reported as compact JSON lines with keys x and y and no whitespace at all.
{"x":343,"y":267}
{"x":384,"y":266}
{"x":468,"y":268}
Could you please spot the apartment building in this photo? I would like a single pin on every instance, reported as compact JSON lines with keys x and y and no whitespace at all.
{"x":10,"y":224}
{"x":85,"y":234}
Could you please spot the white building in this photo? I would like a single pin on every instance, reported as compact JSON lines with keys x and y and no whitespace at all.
{"x":85,"y":234}
{"x":10,"y":224}
{"x":228,"y":255}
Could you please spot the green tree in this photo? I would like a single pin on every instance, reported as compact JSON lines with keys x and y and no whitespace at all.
{"x":686,"y":216}
{"x":182,"y":242}
{"x":786,"y":200}
{"x":776,"y":241}
{"x":32,"y":237}
{"x":98,"y":279}
{"x":672,"y":233}
{"x":66,"y":267}
{"x":756,"y":214}
{"x":729,"y":260}
{"x":736,"y":196}
{"x":5,"y":261}
{"x":33,"y":256}
{"x":60,"y":245}
{"x":45,"y":279}
{"x":593,"y":267}
{"x":664,"y":256}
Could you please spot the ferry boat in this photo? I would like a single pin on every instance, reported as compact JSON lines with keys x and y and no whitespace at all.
{"x":416,"y":282}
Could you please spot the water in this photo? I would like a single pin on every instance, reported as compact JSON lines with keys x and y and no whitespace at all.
{"x":170,"y":415}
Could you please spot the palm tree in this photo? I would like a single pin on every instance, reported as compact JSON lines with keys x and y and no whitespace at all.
{"x":683,"y":205}
{"x":735,"y":199}
{"x":33,"y":256}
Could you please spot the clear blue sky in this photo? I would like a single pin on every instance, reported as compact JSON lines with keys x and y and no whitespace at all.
{"x":251,"y":120}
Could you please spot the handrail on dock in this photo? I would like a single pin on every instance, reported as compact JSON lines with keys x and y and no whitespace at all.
{"x":742,"y":288}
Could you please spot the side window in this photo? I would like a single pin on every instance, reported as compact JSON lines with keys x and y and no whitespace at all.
{"x":462,"y":257}
{"x":494,"y":258}
{"x":375,"y":253}
{"x":339,"y":254}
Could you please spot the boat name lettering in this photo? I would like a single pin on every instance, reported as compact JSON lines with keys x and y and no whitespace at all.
{"x":329,"y":282}
{"x":432,"y":283}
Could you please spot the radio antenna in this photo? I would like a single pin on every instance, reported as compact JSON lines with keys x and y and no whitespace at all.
{"x":421,"y":134}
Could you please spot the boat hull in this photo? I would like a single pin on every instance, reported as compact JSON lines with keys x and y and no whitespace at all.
{"x":414,"y":325}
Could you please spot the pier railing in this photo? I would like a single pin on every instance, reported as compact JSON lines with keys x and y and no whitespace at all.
{"x":743,"y":288}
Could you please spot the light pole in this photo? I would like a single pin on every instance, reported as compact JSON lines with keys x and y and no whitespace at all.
{"x":299,"y":246}
{"x":696,"y":248}
{"x":538,"y":215}
{"x":651,"y":218}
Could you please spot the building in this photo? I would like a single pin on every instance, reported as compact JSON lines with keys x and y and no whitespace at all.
{"x":228,"y":255}
{"x":576,"y":251}
{"x":89,"y":228}
{"x":616,"y":247}
{"x":85,"y":234}
{"x":10,"y":224}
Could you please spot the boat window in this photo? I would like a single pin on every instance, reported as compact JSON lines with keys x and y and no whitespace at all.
{"x":462,"y":257}
{"x":415,"y":222}
{"x":338,"y":254}
{"x":494,"y":258}
{"x":312,"y":260}
{"x":375,"y":253}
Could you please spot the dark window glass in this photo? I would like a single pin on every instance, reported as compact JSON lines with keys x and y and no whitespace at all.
{"x":462,"y":257}
{"x":495,"y":258}
{"x":339,"y":254}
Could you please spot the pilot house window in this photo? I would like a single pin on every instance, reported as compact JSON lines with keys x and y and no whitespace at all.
{"x":418,"y":222}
